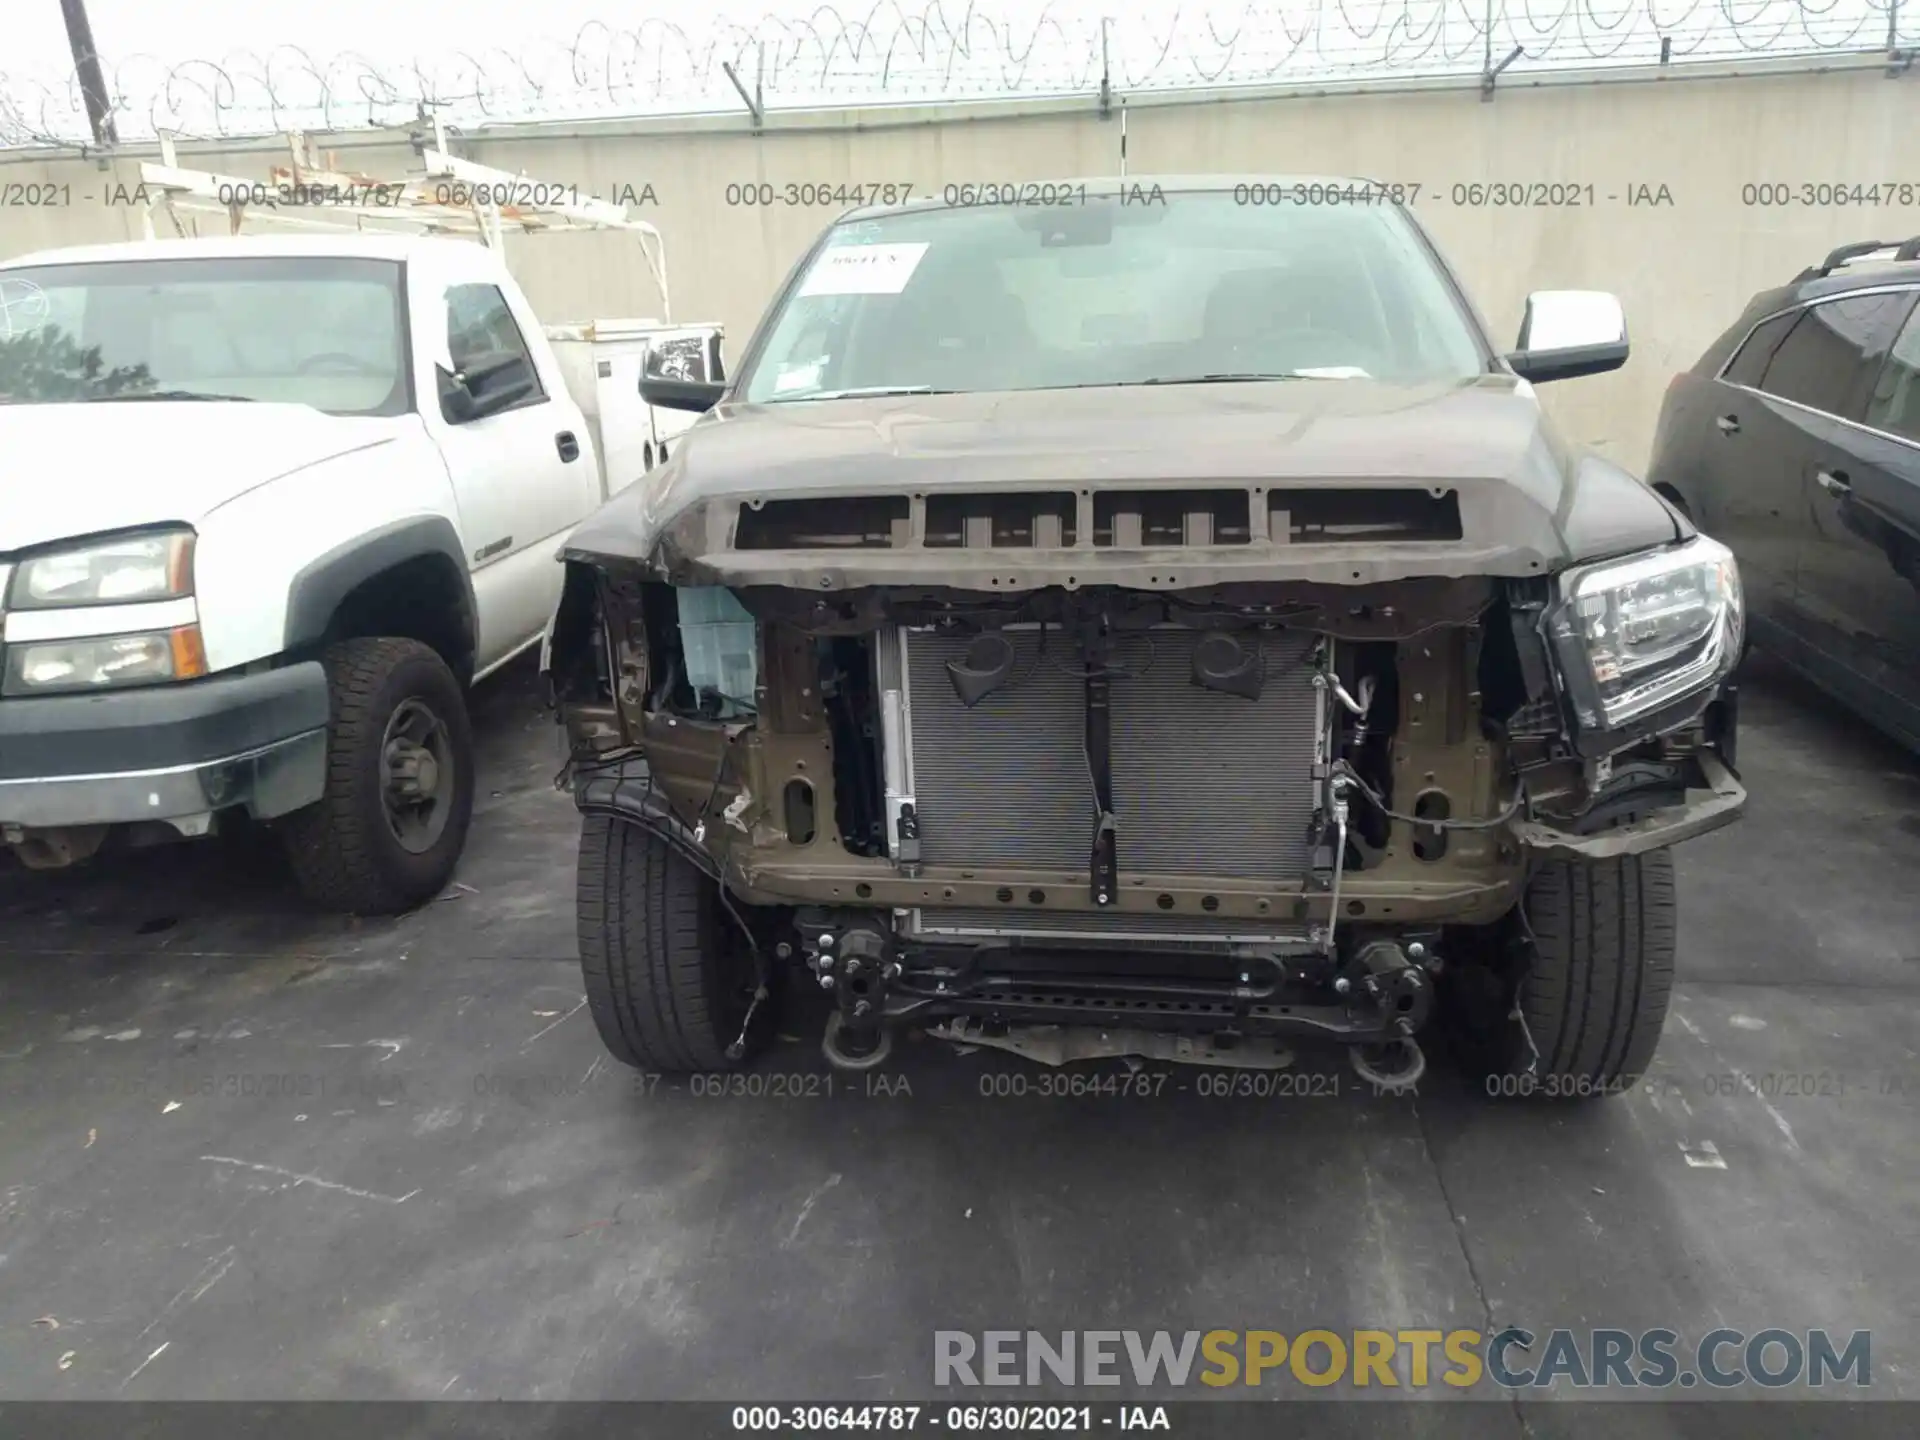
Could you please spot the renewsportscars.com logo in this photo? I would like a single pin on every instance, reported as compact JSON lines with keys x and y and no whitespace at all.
{"x":1597,"y":1359}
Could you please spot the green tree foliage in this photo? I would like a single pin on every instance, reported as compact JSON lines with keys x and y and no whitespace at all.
{"x":47,"y":364}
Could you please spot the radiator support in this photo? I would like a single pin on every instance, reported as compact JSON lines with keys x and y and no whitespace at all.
{"x":1107,"y":756}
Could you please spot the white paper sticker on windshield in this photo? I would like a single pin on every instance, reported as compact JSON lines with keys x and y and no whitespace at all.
{"x":864,"y":269}
{"x":798,"y":377}
{"x":1332,"y":372}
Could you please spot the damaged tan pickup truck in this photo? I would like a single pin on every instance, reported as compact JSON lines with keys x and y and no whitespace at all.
{"x":1153,"y":620}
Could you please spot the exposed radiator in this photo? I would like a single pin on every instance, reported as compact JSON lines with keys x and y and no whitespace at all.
{"x":1204,"y":783}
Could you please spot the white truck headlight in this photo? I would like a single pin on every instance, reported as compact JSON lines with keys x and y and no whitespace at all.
{"x":1636,"y":635}
{"x":129,"y":568}
{"x":50,"y":667}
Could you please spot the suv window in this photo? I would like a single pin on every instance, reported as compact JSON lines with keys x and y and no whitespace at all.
{"x":1894,"y":405}
{"x":1004,"y":297}
{"x":480,"y":324}
{"x":1829,"y":355}
{"x":1751,"y":363}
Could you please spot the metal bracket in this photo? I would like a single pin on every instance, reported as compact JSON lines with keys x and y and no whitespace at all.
{"x":1493,"y":71}
{"x":1602,"y":772}
{"x":907,"y":833}
{"x":756,"y":102}
{"x":1339,"y":791}
{"x":1104,"y":862}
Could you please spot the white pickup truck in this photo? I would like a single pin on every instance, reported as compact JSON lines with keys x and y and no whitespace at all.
{"x":273,"y":502}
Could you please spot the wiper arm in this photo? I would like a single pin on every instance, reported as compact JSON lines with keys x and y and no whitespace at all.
{"x":165,"y":395}
{"x":860,"y":392}
{"x":1225,"y":377}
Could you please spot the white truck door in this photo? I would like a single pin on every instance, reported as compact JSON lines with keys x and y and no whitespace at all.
{"x":523,"y":476}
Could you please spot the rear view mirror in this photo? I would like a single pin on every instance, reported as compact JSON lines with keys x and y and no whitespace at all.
{"x":1567,"y":333}
{"x":1072,"y":225}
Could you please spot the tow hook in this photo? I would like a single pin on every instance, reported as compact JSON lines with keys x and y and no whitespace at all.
{"x":1394,"y":1066}
{"x":1403,"y":994}
{"x":856,"y":968}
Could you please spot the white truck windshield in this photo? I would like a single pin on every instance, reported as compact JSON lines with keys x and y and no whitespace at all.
{"x":319,"y":331}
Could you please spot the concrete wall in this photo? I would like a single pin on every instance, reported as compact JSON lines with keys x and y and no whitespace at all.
{"x":1684,"y":266}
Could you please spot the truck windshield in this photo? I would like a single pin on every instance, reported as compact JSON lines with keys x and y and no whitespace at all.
{"x":1190,"y":287}
{"x":319,"y":331}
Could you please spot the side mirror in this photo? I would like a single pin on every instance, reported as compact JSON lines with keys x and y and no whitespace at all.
{"x":485,"y":386}
{"x":694,"y":395}
{"x":677,"y":375}
{"x":1567,"y":333}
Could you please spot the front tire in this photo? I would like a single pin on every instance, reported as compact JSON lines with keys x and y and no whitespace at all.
{"x":389,"y":830}
{"x":668,"y":979}
{"x":1592,"y":996}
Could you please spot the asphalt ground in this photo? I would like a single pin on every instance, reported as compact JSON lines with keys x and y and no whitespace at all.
{"x":251,"y":1152}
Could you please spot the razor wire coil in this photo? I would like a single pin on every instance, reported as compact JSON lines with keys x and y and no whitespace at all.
{"x":929,"y":51}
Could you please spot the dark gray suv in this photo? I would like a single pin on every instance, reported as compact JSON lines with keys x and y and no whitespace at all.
{"x":1795,"y":441}
{"x":1155,"y":627}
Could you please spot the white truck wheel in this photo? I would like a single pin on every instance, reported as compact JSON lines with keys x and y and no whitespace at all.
{"x":386,"y":835}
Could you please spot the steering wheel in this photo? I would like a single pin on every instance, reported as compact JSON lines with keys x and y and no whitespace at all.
{"x":353,"y":364}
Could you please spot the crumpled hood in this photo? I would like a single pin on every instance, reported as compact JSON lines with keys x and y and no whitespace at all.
{"x":1529,"y":493}
{"x":78,"y":469}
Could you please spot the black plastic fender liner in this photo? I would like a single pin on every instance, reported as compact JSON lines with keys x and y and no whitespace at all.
{"x":634,"y":799}
{"x":1718,"y":801}
{"x":319,"y":587}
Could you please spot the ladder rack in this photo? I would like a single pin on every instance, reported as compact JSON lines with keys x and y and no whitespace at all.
{"x":449,"y":196}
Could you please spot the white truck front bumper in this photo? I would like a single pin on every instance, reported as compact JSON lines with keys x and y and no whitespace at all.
{"x":175,"y":753}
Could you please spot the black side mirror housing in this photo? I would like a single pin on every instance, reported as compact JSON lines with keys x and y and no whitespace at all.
{"x":486,"y":386}
{"x":456,"y":401}
{"x":695,"y":395}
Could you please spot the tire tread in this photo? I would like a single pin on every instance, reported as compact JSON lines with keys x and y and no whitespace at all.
{"x":1595,"y":998}
{"x":327,"y":843}
{"x":644,"y":940}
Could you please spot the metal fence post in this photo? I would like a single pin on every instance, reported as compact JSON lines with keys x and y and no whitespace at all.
{"x":1486,"y":68}
{"x":1106,"y":71}
{"x":86,"y":68}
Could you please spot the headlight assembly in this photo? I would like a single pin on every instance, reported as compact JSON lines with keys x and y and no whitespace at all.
{"x":1636,"y":635}
{"x":124,"y":570}
{"x":55,"y":667}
